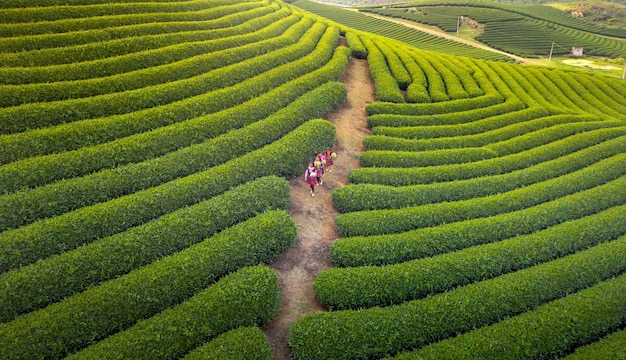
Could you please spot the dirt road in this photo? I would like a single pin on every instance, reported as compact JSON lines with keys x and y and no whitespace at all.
{"x":298,"y":266}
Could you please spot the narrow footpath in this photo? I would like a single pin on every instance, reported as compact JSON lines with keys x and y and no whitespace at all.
{"x":298,"y":266}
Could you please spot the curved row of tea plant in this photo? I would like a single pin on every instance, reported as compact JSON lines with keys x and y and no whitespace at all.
{"x":24,"y":207}
{"x":119,"y":47}
{"x":488,"y":155}
{"x":609,"y":347}
{"x":232,"y":85}
{"x":109,"y":66}
{"x":132,"y":235}
{"x":357,"y":197}
{"x":52,"y":279}
{"x":513,"y":28}
{"x":59,"y":12}
{"x":495,"y":166}
{"x":413,"y":37}
{"x":228,"y":10}
{"x":389,"y":138}
{"x":143,"y":146}
{"x":526,"y":141}
{"x":42,"y":3}
{"x":261,"y":41}
{"x":248,"y":297}
{"x":376,"y":222}
{"x":381,"y":119}
{"x":27,"y":244}
{"x":26,"y":42}
{"x":528,"y":37}
{"x":364,"y":287}
{"x":242,"y":343}
{"x":378,"y":332}
{"x":448,"y":237}
{"x":467,"y":128}
{"x":386,"y":86}
{"x":570,"y":319}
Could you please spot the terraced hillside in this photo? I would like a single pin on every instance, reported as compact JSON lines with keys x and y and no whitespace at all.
{"x":146,"y":153}
{"x":486,"y":217}
{"x":524,"y":30}
{"x":419,"y":39}
{"x":140,"y":187}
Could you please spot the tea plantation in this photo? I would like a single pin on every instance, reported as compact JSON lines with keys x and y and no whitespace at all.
{"x":146,"y":148}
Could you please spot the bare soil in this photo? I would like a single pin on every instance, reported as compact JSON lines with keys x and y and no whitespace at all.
{"x":298,"y":266}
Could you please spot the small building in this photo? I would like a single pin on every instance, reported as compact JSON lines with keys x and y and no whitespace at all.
{"x":577,"y":50}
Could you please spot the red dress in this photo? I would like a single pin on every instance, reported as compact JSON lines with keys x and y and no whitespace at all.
{"x":329,"y":159}
{"x":311,"y":180}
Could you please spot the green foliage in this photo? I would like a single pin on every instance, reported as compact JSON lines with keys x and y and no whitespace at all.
{"x":72,"y":36}
{"x":242,"y":343}
{"x":435,"y":108}
{"x":65,"y":52}
{"x":478,"y":127}
{"x":40,"y":3}
{"x":564,"y":124}
{"x":27,"y":244}
{"x":378,"y":332}
{"x":355,"y":44}
{"x":99,"y":58}
{"x":495,"y":166}
{"x":401,"y":159}
{"x":41,"y":170}
{"x":410,"y":36}
{"x":529,"y":29}
{"x":610,"y":347}
{"x":231,"y":85}
{"x":417,"y":91}
{"x":220,"y":16}
{"x":54,"y":278}
{"x":248,"y":297}
{"x":376,"y":222}
{"x":546,"y":332}
{"x":396,"y":66}
{"x":357,"y":197}
{"x":430,"y":241}
{"x":52,"y":13}
{"x":385,"y":86}
{"x":24,"y":207}
{"x":364,"y":287}
{"x":451,"y":118}
{"x":271,"y":34}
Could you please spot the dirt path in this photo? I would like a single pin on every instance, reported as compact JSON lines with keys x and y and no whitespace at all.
{"x":298,"y":266}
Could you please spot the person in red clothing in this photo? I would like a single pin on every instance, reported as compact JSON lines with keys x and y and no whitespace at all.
{"x":319,"y":168}
{"x":310,"y":176}
{"x":329,"y":159}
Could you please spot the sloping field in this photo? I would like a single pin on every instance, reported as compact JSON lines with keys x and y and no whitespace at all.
{"x":485,"y":220}
{"x":413,"y":37}
{"x":145,"y":152}
{"x":522,"y":30}
{"x":146,"y":148}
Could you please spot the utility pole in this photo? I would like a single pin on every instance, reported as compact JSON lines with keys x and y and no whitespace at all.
{"x":458,"y":24}
{"x":624,"y":73}
{"x":551,"y":48}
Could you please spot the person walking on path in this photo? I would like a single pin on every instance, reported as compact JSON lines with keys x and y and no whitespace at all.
{"x":329,"y":159}
{"x":319,"y":169}
{"x":310,"y":176}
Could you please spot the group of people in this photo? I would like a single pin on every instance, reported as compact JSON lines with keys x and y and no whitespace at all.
{"x":314,"y":174}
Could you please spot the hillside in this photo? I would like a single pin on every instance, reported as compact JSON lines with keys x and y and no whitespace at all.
{"x":610,"y":14}
{"x":153,"y":202}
